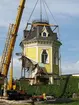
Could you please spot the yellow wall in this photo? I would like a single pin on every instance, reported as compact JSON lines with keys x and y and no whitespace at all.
{"x":31,"y":52}
{"x":48,"y":66}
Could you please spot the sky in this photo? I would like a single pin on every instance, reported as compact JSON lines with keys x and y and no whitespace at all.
{"x":66,"y":15}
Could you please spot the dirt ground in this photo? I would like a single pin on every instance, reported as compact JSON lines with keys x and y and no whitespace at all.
{"x":29,"y":102}
{"x":7,"y":102}
{"x":3,"y":103}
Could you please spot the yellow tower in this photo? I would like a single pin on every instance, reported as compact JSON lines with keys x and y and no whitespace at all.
{"x":41,"y":45}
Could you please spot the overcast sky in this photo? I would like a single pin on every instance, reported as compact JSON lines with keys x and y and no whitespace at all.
{"x":66,"y":14}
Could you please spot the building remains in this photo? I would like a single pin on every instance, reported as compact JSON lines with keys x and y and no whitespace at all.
{"x":40,"y":48}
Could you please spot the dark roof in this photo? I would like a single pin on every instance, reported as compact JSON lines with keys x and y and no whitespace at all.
{"x":35,"y":32}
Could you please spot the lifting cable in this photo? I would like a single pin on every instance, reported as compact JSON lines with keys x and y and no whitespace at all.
{"x":53,"y":18}
{"x":45,"y":5}
{"x":50,"y":12}
{"x":41,"y":10}
{"x":33,"y":10}
{"x":45,"y":10}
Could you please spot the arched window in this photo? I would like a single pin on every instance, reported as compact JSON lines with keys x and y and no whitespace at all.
{"x":44,"y":57}
{"x":44,"y":34}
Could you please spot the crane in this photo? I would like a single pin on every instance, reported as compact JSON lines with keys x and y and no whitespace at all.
{"x":10,"y":43}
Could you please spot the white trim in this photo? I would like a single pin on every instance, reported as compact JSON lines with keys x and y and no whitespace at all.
{"x":52,"y":57}
{"x":51,"y":80}
{"x":40,"y":55}
{"x":44,"y":30}
{"x":37,"y":44}
{"x":45,"y":47}
{"x":47,"y":61}
{"x":51,"y":61}
{"x":36,"y":53}
{"x":30,"y":45}
{"x":47,"y":50}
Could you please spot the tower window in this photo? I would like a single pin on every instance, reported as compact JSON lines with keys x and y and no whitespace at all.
{"x":44,"y":57}
{"x":44,"y":34}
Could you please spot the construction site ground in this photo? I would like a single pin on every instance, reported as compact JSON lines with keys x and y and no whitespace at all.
{"x":13,"y":102}
{"x":49,"y":102}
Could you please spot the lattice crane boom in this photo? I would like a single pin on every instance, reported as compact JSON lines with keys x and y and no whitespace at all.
{"x":10,"y":41}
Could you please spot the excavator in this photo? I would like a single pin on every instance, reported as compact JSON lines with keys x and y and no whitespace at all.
{"x":9,"y":47}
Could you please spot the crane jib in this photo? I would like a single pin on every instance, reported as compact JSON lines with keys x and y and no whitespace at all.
{"x":10,"y":41}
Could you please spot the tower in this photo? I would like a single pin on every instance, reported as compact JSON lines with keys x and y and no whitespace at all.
{"x":41,"y":45}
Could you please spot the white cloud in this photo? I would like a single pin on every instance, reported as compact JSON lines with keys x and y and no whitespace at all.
{"x":69,"y":7}
{"x":70,"y":68}
{"x":16,"y":67}
{"x":60,"y":8}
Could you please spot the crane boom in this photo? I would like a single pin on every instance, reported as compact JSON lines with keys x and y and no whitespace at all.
{"x":10,"y":41}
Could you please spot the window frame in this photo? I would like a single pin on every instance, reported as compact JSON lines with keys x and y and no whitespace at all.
{"x":46,"y":61}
